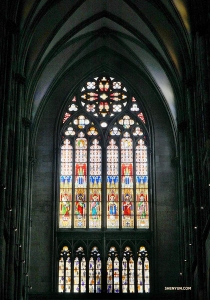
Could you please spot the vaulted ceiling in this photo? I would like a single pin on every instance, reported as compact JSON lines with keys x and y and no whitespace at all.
{"x":151,"y":36}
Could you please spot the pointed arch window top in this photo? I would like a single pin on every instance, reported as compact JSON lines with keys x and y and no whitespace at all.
{"x":104,"y":97}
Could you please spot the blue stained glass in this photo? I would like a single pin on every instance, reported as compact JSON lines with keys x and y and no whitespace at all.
{"x":95,"y":179}
{"x":114,"y":179}
{"x":142,"y":179}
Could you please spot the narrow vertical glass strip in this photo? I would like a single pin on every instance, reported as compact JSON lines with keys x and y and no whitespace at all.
{"x":142,"y":204}
{"x":109,"y":275}
{"x":146,"y":275}
{"x":112,"y":185}
{"x":95,"y":179}
{"x":98,"y":275}
{"x":76,"y":275}
{"x":61,"y":276}
{"x":116,"y":274}
{"x":83,"y":276}
{"x":139,"y":276}
{"x":80,"y":209}
{"x":124,"y":275}
{"x":127,"y":182}
{"x":91,"y":275}
{"x":131,"y":276}
{"x":65,"y":205}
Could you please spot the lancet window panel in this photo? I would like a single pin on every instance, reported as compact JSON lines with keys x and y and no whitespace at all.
{"x":81,"y":271}
{"x":121,"y":168}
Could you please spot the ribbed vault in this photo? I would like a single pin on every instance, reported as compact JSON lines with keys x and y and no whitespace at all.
{"x":153,"y":37}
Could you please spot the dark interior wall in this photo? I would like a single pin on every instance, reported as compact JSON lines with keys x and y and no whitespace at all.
{"x":165,"y":249}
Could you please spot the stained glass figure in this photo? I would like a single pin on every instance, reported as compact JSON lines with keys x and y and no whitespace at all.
{"x":143,"y":284}
{"x":142,"y":207}
{"x":95,"y":271}
{"x":113,"y":278}
{"x":64,"y":274}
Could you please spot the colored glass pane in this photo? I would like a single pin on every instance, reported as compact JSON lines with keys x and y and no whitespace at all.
{"x":80,"y":271}
{"x":112,"y":185}
{"x":95,"y":271}
{"x":113,"y":273}
{"x":76,"y":275}
{"x":64,"y":274}
{"x":66,"y":116}
{"x":70,"y":131}
{"x":61,"y":271}
{"x":143,"y":285}
{"x":80,"y":207}
{"x":141,"y":116}
{"x":95,"y":185}
{"x":142,"y":205}
{"x":126,"y":121}
{"x":100,"y":95}
{"x":146,"y":275}
{"x":127,"y":183}
{"x":65,"y":205}
{"x":81,"y":122}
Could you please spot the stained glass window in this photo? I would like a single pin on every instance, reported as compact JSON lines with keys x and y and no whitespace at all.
{"x":64,"y":284}
{"x":95,"y":278}
{"x":113,"y":273}
{"x":82,"y":273}
{"x":143,"y":271}
{"x":128,"y":274}
{"x":104,"y":184}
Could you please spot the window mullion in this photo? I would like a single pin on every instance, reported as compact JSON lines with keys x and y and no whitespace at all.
{"x":120,"y":182}
{"x":73,"y":186}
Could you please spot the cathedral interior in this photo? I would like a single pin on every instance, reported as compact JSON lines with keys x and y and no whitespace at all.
{"x":105,"y":149}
